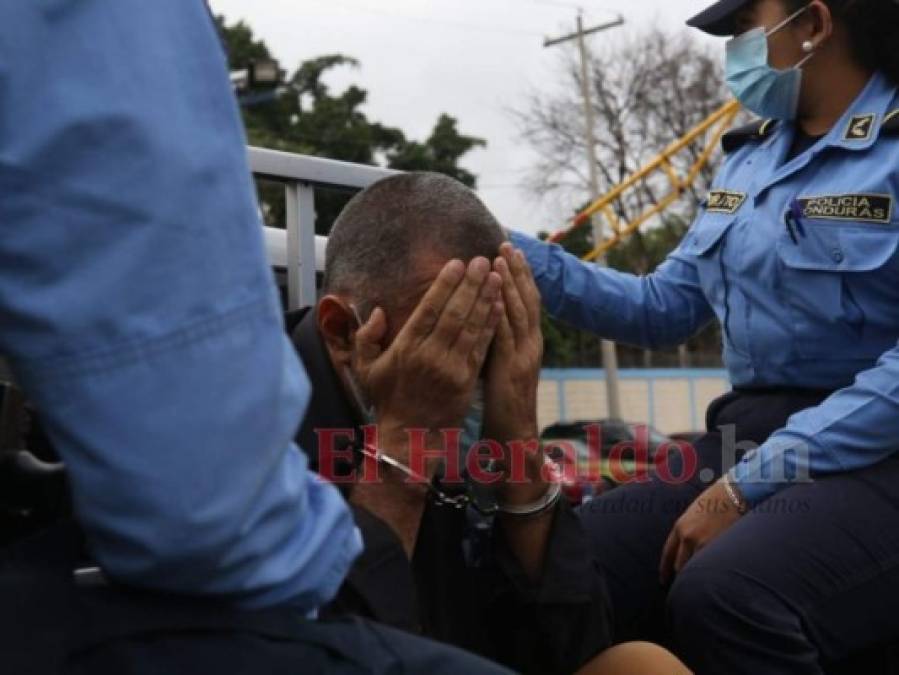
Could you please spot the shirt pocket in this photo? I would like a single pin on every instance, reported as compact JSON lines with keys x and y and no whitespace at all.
{"x":835,"y":276}
{"x":705,"y":244}
{"x":706,"y":233}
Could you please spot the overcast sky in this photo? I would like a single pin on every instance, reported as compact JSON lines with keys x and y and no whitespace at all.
{"x":473,"y":59}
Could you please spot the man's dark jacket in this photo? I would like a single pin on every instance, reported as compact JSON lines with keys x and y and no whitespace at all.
{"x":474,"y":596}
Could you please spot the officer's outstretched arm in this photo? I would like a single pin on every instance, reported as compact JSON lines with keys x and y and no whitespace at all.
{"x":855,"y":427}
{"x":658,"y":310}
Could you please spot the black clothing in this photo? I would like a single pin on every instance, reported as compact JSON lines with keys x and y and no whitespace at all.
{"x":756,"y":130}
{"x":810,"y":604}
{"x":718,"y":18}
{"x":51,"y":626}
{"x":463,"y":586}
{"x":629,"y":525}
{"x":826,"y":587}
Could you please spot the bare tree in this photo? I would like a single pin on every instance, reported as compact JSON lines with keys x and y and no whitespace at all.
{"x":648,"y":90}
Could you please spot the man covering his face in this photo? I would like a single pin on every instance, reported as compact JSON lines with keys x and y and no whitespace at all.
{"x":425,"y":305}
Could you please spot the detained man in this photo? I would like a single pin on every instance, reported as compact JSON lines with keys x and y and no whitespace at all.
{"x":419,"y":316}
{"x":424,"y":330}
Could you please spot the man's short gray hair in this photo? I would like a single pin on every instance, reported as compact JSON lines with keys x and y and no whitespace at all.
{"x":371,"y":246}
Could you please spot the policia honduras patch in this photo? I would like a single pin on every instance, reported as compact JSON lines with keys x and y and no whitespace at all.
{"x":725,"y":201}
{"x":861,"y":208}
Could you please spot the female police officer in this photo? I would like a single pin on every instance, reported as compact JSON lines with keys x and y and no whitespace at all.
{"x":796,"y":252}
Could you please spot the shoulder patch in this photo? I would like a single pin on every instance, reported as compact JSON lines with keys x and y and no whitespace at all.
{"x":754,"y":131}
{"x":859,"y":127}
{"x":890,"y":124}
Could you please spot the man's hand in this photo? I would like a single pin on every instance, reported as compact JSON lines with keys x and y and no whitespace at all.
{"x":513,"y":372}
{"x":711,"y":514}
{"x":510,"y":407}
{"x":426,"y":377}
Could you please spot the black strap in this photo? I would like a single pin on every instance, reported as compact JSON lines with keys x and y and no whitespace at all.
{"x":890,"y":126}
{"x":754,"y":131}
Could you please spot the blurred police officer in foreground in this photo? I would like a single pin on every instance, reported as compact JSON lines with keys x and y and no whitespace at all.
{"x":790,"y":559}
{"x":138,"y":311}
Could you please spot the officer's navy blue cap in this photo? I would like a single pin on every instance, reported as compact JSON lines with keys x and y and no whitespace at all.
{"x":718,"y":19}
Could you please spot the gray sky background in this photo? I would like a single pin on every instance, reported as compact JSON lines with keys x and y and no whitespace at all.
{"x":472,"y":59}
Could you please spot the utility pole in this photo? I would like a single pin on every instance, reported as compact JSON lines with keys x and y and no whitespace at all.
{"x":609,"y":354}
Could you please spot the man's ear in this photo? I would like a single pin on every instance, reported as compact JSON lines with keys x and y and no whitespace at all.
{"x":337,"y":325}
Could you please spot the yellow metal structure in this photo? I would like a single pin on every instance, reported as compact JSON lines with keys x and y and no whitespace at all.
{"x":717,"y":123}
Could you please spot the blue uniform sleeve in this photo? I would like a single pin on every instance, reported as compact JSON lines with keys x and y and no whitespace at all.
{"x":138,"y":310}
{"x":658,"y":310}
{"x":854,"y":428}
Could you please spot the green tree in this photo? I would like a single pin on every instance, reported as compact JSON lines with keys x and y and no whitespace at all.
{"x":309,"y":118}
{"x":240,"y":46}
{"x":441,"y":152}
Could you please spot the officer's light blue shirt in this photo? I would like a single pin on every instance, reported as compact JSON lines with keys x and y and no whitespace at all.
{"x":798,"y":261}
{"x":139,"y":312}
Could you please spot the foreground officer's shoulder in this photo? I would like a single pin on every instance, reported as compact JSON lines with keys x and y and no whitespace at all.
{"x":754,"y":131}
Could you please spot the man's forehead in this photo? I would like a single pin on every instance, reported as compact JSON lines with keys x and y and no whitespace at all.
{"x":422,"y":273}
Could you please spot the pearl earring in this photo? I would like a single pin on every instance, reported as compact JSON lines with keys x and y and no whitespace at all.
{"x":808,"y":46}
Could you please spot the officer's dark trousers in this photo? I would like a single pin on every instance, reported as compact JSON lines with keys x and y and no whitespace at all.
{"x":808,"y":577}
{"x":50,"y":626}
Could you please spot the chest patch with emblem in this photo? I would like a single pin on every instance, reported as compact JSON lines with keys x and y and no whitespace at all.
{"x":725,"y":201}
{"x":864,"y":208}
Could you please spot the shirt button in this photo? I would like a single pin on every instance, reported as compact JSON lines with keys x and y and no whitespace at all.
{"x":837,"y":255}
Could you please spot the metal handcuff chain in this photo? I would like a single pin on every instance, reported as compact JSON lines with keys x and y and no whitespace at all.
{"x":463,"y":501}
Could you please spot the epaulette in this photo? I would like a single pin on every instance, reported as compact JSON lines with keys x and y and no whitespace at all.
{"x":890,"y":125}
{"x":754,"y":131}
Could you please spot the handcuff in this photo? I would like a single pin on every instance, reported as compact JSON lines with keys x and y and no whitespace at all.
{"x":463,"y":501}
